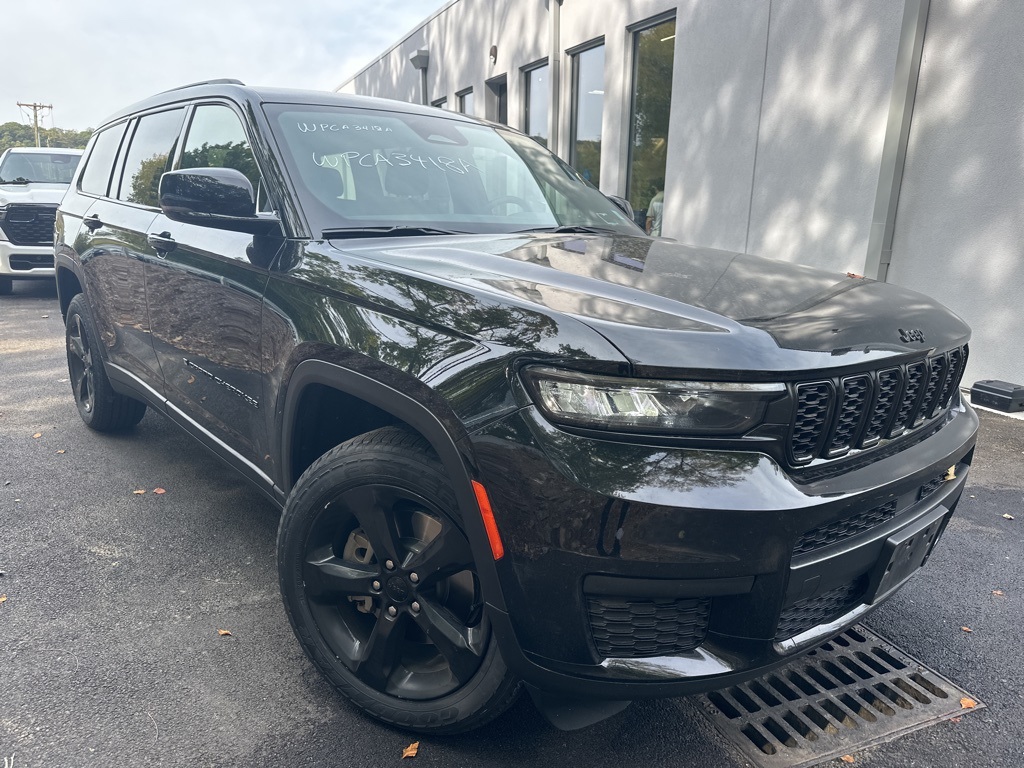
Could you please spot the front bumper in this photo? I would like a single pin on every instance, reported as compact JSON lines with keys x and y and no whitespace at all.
{"x":26,"y":261}
{"x":613,"y":547}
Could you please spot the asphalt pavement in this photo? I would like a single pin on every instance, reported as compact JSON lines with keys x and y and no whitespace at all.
{"x":112,"y":643}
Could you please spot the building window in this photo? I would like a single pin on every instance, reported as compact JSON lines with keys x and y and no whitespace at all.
{"x":653,"y":54}
{"x":439,"y":103}
{"x":587,"y":113}
{"x":464,"y":101}
{"x":537,"y":102}
{"x":497,"y":99}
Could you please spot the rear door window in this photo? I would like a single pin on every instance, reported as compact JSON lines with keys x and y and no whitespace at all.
{"x":96,"y":175}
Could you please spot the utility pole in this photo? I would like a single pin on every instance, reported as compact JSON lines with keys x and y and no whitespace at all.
{"x":36,"y":109}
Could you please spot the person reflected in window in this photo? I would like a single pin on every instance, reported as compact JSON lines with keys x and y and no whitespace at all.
{"x":655,"y":210}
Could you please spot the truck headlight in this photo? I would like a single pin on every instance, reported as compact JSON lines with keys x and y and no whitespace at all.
{"x":649,"y":405}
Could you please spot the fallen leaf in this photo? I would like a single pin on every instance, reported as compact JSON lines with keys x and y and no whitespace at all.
{"x":1008,"y":517}
{"x":998,"y":592}
{"x":37,"y":435}
{"x":159,"y":491}
{"x":955,"y":719}
{"x":3,"y":598}
{"x":966,"y":703}
{"x":138,"y":492}
{"x":847,"y":758}
{"x":411,"y":750}
{"x":191,"y":379}
{"x":61,"y":451}
{"x":950,"y":473}
{"x":966,"y":629}
{"x":224,"y":633}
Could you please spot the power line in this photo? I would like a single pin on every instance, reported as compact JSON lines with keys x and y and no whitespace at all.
{"x":36,"y":109}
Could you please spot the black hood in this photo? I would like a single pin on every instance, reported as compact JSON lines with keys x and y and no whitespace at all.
{"x":669,"y":306}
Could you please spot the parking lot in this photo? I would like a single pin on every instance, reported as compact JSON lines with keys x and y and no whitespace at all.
{"x":114,"y":639}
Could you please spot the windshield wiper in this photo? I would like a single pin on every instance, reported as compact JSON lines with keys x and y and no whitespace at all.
{"x":573,"y":229}
{"x":398,"y":231}
{"x":18,"y":180}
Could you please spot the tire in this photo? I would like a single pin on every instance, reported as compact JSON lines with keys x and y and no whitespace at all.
{"x":100,"y":407}
{"x":6,"y":285}
{"x":380,"y":587}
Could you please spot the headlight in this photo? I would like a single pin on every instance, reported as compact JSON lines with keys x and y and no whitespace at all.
{"x":649,"y":405}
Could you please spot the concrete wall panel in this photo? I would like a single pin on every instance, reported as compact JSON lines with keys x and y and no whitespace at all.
{"x":827,"y":87}
{"x":960,"y":221}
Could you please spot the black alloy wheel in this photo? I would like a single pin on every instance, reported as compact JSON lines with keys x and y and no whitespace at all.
{"x":100,"y":407}
{"x":382,"y":590}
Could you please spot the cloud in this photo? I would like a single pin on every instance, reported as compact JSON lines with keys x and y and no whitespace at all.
{"x":91,"y":59}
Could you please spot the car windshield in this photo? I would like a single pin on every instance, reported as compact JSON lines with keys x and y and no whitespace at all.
{"x":44,"y":167}
{"x":366,"y":170}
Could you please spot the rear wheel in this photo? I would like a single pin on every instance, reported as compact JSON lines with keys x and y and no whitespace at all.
{"x":100,"y":407}
{"x":380,"y":585}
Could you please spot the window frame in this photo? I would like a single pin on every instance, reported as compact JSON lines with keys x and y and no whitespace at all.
{"x":460,"y":101}
{"x":574,"y":80}
{"x":525,"y":73}
{"x":633,"y":31}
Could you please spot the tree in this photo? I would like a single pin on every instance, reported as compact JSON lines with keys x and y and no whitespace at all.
{"x":17,"y":135}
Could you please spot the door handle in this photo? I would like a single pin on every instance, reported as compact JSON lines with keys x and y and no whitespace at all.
{"x":162,"y":243}
{"x":92,"y":222}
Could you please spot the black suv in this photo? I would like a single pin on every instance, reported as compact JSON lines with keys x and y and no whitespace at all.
{"x":517,"y":443}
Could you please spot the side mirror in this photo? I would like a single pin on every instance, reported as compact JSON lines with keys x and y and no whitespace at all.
{"x":221,"y":198}
{"x":622,"y":204}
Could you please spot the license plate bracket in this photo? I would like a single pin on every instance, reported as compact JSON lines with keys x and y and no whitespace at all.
{"x":904,"y":553}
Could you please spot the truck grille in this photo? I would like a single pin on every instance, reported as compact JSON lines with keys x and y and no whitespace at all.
{"x":834,"y":416}
{"x":29,"y":224}
{"x":633,"y":628}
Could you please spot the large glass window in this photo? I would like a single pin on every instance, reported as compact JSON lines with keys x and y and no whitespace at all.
{"x":216,"y":139}
{"x":148,"y":157}
{"x":361,"y":168}
{"x":43,"y":167}
{"x":465,"y":102}
{"x":587,"y":113}
{"x":537,"y":85}
{"x":653,"y":54}
{"x":96,"y":176}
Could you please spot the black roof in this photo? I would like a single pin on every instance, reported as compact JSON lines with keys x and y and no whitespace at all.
{"x":255,"y":95}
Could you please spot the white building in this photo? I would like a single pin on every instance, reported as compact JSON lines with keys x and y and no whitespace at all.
{"x":882,"y":137}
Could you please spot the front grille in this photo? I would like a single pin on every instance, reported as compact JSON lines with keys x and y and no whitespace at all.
{"x":29,"y":224}
{"x":633,"y":628}
{"x":840,"y":530}
{"x":837,"y":416}
{"x":23,"y":262}
{"x":821,"y":609}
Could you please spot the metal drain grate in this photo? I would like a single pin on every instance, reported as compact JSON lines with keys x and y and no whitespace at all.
{"x":850,"y":693}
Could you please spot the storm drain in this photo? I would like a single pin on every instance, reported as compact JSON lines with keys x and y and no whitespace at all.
{"x":850,"y":693}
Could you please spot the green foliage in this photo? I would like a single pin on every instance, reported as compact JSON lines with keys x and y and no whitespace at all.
{"x":19,"y":135}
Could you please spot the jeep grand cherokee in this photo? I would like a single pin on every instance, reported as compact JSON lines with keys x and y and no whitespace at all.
{"x":516,"y":442}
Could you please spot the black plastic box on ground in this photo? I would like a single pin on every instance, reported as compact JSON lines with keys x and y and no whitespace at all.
{"x":1001,"y":395}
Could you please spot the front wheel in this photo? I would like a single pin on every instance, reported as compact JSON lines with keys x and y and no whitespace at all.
{"x":381,"y":589}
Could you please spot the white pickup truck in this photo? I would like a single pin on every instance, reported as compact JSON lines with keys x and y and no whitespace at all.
{"x":32,"y":184}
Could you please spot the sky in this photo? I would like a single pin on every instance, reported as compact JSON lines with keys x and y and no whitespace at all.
{"x":90,"y":59}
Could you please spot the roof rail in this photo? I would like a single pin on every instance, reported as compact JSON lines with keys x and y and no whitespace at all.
{"x":219,"y":81}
